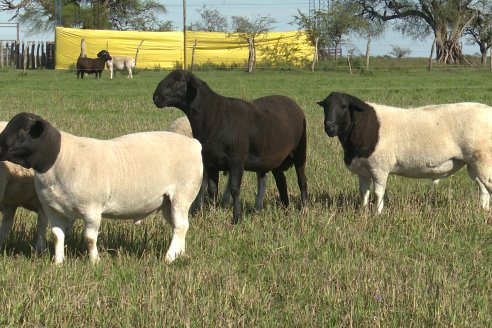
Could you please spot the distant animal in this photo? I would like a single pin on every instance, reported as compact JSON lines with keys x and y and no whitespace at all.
{"x":267,"y":134}
{"x":425,"y":142}
{"x":118,"y":63}
{"x":182,"y":126}
{"x":90,"y":66}
{"x":17,"y":190}
{"x":126,"y":177}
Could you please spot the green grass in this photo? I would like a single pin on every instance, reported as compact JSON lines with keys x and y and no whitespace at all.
{"x":425,"y":262}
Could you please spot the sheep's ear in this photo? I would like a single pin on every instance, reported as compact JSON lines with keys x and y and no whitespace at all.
{"x":36,"y":129}
{"x":320,"y":103}
{"x":358,"y":105}
{"x":191,"y":88}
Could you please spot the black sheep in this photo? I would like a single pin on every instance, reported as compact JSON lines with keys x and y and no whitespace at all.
{"x":267,"y":134}
{"x":91,"y":65}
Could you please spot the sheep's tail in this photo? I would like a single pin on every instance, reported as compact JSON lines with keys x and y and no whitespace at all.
{"x":136,"y":53}
{"x":82,"y":49}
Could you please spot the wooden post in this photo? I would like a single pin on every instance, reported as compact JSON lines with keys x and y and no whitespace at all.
{"x":349,"y":64}
{"x":17,"y":55}
{"x":38,"y":59}
{"x":136,"y":52}
{"x":1,"y":55}
{"x":184,"y":34}
{"x":82,"y":48}
{"x":25,"y":52}
{"x":33,"y":55}
{"x":193,"y":55}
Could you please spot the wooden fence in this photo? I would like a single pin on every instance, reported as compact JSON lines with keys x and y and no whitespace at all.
{"x":27,"y":54}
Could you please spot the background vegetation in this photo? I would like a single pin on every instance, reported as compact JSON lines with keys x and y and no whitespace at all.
{"x":426,"y":261}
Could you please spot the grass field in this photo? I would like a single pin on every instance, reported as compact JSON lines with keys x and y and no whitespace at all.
{"x":425,"y":262}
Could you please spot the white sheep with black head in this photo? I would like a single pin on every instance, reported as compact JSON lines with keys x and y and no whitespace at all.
{"x":118,"y":63}
{"x":127,"y":177}
{"x":427,"y":142}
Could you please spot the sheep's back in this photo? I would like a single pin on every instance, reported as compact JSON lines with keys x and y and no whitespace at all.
{"x":129,"y":174}
{"x":433,"y":132}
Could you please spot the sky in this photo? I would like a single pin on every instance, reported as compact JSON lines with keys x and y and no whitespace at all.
{"x":281,"y":10}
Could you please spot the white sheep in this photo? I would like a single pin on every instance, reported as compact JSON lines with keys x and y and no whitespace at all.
{"x":17,"y":190}
{"x":127,"y":177}
{"x":182,"y":126}
{"x":426,"y":142}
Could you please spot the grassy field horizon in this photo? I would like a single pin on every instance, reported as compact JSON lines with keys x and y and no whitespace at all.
{"x":426,"y":261}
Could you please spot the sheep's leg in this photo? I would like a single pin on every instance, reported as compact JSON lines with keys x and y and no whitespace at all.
{"x":92,"y":222}
{"x":42,"y":225}
{"x":58,"y":227}
{"x":200,"y":198}
{"x":281,"y":183}
{"x":236,"y":170}
{"x":302,"y":182}
{"x":226,"y":195}
{"x":364,"y":190}
{"x":213,"y":183}
{"x":261,"y":180}
{"x":179,"y":221}
{"x":7,"y":222}
{"x":379,"y":189}
{"x":484,"y":190}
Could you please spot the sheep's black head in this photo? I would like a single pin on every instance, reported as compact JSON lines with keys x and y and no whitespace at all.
{"x":104,"y":55}
{"x":177,"y":89}
{"x":337,"y":114}
{"x":30,"y":141}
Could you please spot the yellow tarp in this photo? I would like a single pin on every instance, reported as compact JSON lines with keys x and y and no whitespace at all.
{"x":165,"y":49}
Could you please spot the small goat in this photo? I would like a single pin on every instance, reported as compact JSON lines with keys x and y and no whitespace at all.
{"x":118,"y":63}
{"x":91,"y":65}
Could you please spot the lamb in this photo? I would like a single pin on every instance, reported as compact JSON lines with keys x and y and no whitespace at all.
{"x":17,"y":190}
{"x":90,"y":65}
{"x":266,"y":134}
{"x":126,"y":177}
{"x":182,"y":126}
{"x":118,"y":63}
{"x":426,"y":142}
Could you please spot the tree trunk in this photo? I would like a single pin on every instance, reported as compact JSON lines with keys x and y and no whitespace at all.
{"x":251,"y":58}
{"x":315,"y":57}
{"x":431,"y":54}
{"x":368,"y":51}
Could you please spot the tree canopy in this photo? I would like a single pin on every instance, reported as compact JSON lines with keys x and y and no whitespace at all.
{"x":445,"y":19}
{"x":41,"y":16}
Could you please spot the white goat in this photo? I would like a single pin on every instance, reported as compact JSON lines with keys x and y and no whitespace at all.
{"x":127,"y":177}
{"x":17,"y":190}
{"x":182,"y":126}
{"x":426,"y":142}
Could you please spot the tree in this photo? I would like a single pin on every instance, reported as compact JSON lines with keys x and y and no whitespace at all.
{"x":400,"y":52}
{"x":327,"y":28}
{"x":211,"y":20}
{"x":247,"y":30}
{"x":480,"y":31}
{"x":446,"y":19}
{"x":40,"y":16}
{"x":370,"y":29}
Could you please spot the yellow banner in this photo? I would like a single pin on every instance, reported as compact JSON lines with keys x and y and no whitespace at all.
{"x":165,"y":49}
